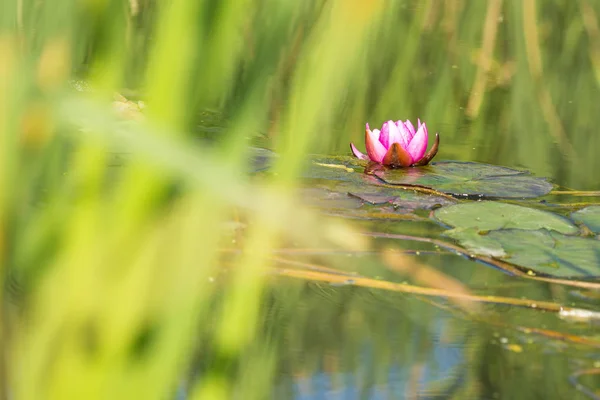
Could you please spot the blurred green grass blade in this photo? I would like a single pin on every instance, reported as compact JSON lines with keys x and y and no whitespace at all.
{"x":325,"y":68}
{"x":169,"y":73}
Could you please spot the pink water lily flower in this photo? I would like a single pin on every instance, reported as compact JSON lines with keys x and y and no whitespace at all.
{"x":398,"y":145}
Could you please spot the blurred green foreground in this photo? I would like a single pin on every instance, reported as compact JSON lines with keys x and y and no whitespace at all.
{"x":115,"y":212}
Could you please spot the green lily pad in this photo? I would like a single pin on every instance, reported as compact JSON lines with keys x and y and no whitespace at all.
{"x":328,"y":200}
{"x":345,"y":175}
{"x":341,"y":204}
{"x":368,"y":189}
{"x":405,"y":201}
{"x":590,"y":216}
{"x":491,"y":215}
{"x":470,"y":179}
{"x":542,"y":251}
{"x":473,"y":239}
{"x":339,"y":168}
{"x":373,"y":198}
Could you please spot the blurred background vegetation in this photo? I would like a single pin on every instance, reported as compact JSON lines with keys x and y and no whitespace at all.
{"x":116,"y":209}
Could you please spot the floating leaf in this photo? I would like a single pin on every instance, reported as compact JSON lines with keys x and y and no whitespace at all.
{"x":373,"y":198}
{"x":364,"y":189}
{"x":328,"y":200}
{"x":470,"y":179}
{"x":590,"y":216}
{"x":333,"y":168}
{"x":490,"y":215}
{"x":543,"y":251}
{"x":345,"y":175}
{"x":471,"y":238}
{"x":406,"y":201}
{"x":341,"y":204}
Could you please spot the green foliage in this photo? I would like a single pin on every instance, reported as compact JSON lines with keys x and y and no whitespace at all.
{"x":132,"y":238}
{"x":470,"y":179}
{"x":491,"y":215}
{"x":542,"y":251}
{"x":590,"y":216}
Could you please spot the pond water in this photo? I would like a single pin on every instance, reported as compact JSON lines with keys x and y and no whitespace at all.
{"x":500,"y":321}
{"x":481,"y":283}
{"x":531,"y":331}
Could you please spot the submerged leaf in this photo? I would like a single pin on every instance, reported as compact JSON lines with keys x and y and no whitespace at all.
{"x":490,"y":215}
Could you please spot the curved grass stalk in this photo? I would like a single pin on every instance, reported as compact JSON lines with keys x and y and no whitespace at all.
{"x":418,"y":290}
{"x":574,"y":380}
{"x":315,"y":272}
{"x":591,"y":193}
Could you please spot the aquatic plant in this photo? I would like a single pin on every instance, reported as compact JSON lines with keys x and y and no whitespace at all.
{"x":398,"y":144}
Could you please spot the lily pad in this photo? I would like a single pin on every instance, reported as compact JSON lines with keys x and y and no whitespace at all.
{"x":328,"y":200}
{"x":491,"y":215}
{"x":542,"y":251}
{"x":473,"y":239}
{"x":406,"y":201}
{"x":590,"y":216}
{"x":470,"y":179}
{"x":333,"y":168}
{"x":373,"y":198}
{"x":370,"y":191}
{"x":345,"y":175}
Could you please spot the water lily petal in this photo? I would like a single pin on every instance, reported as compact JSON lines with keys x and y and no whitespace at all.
{"x":418,"y":144}
{"x":375,"y":132}
{"x":410,"y":128}
{"x":430,"y":154}
{"x":396,"y":156}
{"x":357,"y":153}
{"x":422,"y":125}
{"x":425,"y":129}
{"x":375,"y":149}
{"x":395,"y":134}
{"x":404,"y":133}
{"x":384,"y":136}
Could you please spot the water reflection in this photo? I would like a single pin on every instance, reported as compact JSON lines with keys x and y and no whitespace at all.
{"x":428,"y":362}
{"x":355,"y":343}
